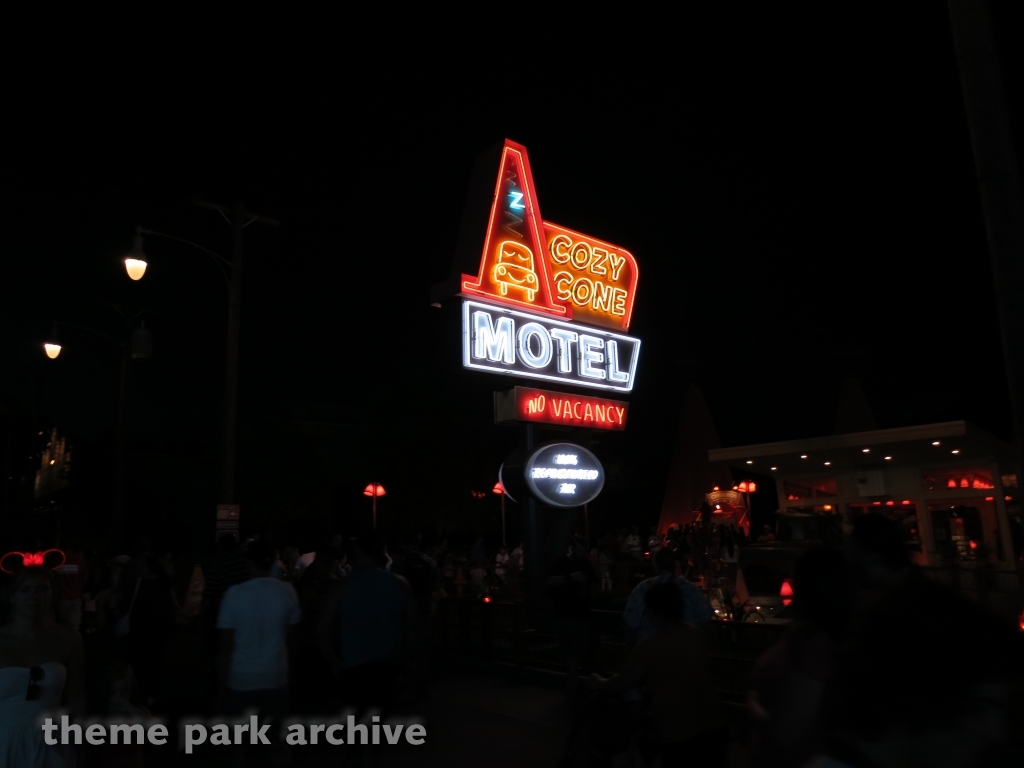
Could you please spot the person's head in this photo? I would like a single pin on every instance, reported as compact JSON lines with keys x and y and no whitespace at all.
{"x":262,"y":554}
{"x":881,"y":547}
{"x":930,"y":673}
{"x":824,"y":588}
{"x":577,"y":548}
{"x":665,"y":560}
{"x":664,"y":604}
{"x":32,"y":594}
{"x":368,"y":551}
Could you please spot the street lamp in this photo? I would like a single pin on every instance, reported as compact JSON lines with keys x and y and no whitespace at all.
{"x":135,"y":261}
{"x":51,"y":345}
{"x":746,"y":487}
{"x":133,"y":350}
{"x":499,"y":488}
{"x":373,"y":490}
{"x":135,"y":264}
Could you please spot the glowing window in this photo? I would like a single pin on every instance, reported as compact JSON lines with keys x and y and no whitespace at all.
{"x":810,"y":488}
{"x":961,"y":478}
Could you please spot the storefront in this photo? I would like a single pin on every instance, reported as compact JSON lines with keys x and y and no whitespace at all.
{"x":951,"y":486}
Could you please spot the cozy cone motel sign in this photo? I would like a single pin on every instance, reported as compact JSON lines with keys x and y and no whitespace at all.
{"x":547,"y":303}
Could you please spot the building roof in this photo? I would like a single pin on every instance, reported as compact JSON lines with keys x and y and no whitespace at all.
{"x":946,"y":442}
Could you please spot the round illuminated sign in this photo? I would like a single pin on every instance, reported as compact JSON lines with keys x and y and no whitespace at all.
{"x":559,"y":474}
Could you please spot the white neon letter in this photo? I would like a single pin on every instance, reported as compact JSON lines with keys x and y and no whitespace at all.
{"x":543,"y":356}
{"x":591,"y":353}
{"x":564,"y":339}
{"x":493,"y":341}
{"x":614,"y":372}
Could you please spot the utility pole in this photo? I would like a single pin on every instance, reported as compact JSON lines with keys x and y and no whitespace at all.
{"x":239,"y":219}
{"x":999,"y":185}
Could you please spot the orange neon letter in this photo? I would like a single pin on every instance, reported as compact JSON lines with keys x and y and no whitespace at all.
{"x":563,"y":283}
{"x":560,"y":249}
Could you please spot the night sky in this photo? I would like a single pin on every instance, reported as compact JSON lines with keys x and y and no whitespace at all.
{"x":798,"y":188}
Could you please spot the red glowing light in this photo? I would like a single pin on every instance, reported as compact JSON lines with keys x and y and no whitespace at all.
{"x":787,"y":589}
{"x":990,"y":498}
{"x":877,"y":503}
{"x":374,"y":489}
{"x":964,"y":483}
{"x":906,"y":502}
{"x":890,"y":503}
{"x":951,"y":483}
{"x":747,"y":486}
{"x":498,"y":488}
{"x":51,"y":557}
{"x":488,"y":599}
{"x":547,"y":407}
{"x":974,"y":544}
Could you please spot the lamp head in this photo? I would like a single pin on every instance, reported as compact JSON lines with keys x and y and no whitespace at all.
{"x":135,"y":261}
{"x":52,"y":346}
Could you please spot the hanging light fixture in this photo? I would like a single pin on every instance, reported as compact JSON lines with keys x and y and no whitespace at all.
{"x":135,"y":262}
{"x":52,"y":346}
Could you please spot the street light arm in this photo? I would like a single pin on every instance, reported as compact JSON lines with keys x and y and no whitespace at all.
{"x":93,"y":331}
{"x":222,"y":263}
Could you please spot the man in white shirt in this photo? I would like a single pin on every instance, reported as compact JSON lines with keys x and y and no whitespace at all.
{"x":253,"y":627}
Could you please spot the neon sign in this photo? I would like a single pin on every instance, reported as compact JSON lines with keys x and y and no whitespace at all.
{"x":544,"y":406}
{"x":505,"y":341}
{"x":532,"y":264}
{"x":560,"y":475}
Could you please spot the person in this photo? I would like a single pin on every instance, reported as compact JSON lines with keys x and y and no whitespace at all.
{"x":654,"y":542}
{"x":604,"y":564}
{"x":501,"y":565}
{"x":789,"y":682}
{"x":696,"y":608}
{"x":147,"y":602}
{"x":632,"y":545}
{"x":766,"y":537}
{"x":231,"y":567}
{"x":253,"y":627}
{"x":948,"y":705}
{"x":515,"y":559}
{"x":41,"y":671}
{"x":569,"y":584}
{"x":674,"y":665}
{"x":364,"y":629}
{"x":478,"y":580}
{"x":69,"y":580}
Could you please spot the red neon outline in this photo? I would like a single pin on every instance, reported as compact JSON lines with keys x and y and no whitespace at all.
{"x":546,"y":302}
{"x":29,"y":559}
{"x":634,"y":269}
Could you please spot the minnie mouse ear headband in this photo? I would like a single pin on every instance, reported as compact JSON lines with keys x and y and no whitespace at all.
{"x":12,"y":561}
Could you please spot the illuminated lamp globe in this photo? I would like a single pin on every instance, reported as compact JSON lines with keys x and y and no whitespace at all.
{"x":498,"y":488}
{"x":374,"y":489}
{"x":135,"y":262}
{"x":52,"y":346}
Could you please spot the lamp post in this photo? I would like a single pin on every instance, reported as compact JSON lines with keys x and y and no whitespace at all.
{"x":746,"y":487}
{"x":373,"y":490}
{"x":135,"y":264}
{"x":129,"y":351}
{"x":499,"y":488}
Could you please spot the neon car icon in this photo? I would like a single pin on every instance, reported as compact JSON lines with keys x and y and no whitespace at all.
{"x":515,"y":269}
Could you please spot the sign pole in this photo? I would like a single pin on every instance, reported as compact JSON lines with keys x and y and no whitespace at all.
{"x":374,"y":497}
{"x":531,"y":546}
{"x":586,"y":523}
{"x":504,"y":543}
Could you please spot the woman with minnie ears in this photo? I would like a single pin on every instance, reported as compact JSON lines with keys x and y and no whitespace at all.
{"x":41,"y":664}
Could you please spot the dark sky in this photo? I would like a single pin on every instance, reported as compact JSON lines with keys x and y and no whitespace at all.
{"x":798,"y":188}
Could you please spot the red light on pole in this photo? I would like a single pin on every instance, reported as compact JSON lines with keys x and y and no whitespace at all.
{"x":488,"y":599}
{"x":499,"y":488}
{"x":373,"y":490}
{"x":786,"y":592}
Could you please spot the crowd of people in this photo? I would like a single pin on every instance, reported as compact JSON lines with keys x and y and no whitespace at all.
{"x":862,"y":678}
